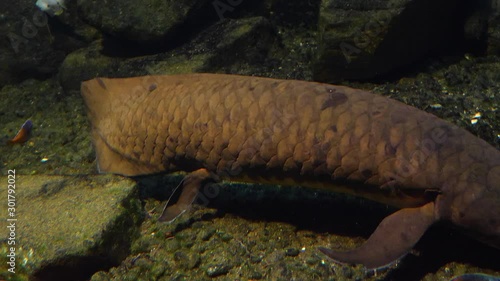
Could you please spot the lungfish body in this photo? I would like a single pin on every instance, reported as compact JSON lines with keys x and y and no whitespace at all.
{"x":294,"y":132}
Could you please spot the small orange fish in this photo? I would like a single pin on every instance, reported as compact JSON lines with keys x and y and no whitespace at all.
{"x":24,"y":133}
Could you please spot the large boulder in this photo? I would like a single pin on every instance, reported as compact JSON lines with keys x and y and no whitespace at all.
{"x":141,"y":20}
{"x":26,"y":45}
{"x":228,"y":46}
{"x":33,"y":44}
{"x":362,"y":39}
{"x":66,"y":227}
{"x":494,"y":29}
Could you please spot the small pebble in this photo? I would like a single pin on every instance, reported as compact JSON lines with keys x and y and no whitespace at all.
{"x":226,"y":237}
{"x":292,"y":252}
{"x":255,"y":258}
{"x":217,"y":270}
{"x":185,"y":260}
{"x":206,"y":234}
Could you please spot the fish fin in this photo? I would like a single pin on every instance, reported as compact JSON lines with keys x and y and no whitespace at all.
{"x":171,"y":210}
{"x":23,"y":135}
{"x":394,"y":237}
{"x":191,"y":185}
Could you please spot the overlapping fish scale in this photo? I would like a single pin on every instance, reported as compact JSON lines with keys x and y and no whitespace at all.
{"x":229,"y":122}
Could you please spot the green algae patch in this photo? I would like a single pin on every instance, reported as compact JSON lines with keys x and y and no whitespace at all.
{"x":85,"y":64}
{"x":64,"y":223}
{"x":60,"y":142}
{"x":179,"y":65}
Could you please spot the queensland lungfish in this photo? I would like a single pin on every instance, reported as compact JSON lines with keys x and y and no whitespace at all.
{"x":294,"y":132}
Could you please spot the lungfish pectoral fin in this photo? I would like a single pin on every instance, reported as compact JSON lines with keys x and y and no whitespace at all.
{"x":190,"y":187}
{"x":394,"y":237}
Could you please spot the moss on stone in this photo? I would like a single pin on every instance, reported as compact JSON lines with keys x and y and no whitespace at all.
{"x":64,"y":221}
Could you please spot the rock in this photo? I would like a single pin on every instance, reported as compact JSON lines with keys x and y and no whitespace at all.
{"x":69,"y":222}
{"x":292,"y":252}
{"x":141,"y":20}
{"x":87,"y":63}
{"x":27,"y":45}
{"x":363,"y":39}
{"x":34,"y":44}
{"x":217,"y":270}
{"x":70,"y":21}
{"x":187,"y":260}
{"x":494,"y":29}
{"x":222,"y":47}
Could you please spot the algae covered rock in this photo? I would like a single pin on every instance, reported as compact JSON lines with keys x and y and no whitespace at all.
{"x":64,"y":223}
{"x":26,"y":48}
{"x":235,"y":46}
{"x":494,"y":29}
{"x":33,"y":44}
{"x":140,"y":20}
{"x":87,"y":63}
{"x":232,"y":46}
{"x":363,"y":39}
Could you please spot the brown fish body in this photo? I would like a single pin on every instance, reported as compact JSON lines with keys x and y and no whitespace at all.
{"x":281,"y":131}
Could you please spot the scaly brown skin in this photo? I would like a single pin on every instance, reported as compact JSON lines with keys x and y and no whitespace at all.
{"x":294,"y":132}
